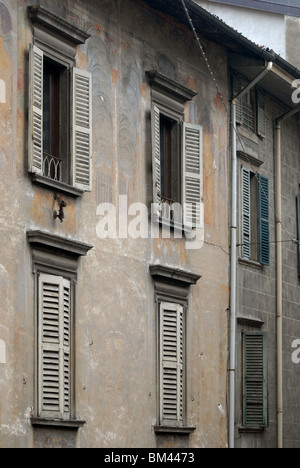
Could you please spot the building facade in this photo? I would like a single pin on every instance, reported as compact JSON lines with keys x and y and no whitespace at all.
{"x":116,"y":259}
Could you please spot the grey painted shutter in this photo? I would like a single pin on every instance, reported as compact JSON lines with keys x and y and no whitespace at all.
{"x":298,"y":224}
{"x":255,"y":380}
{"x":156,"y":166}
{"x":82,"y":129}
{"x":35,"y":132}
{"x":264,"y":220}
{"x":246,"y":214}
{"x":261,"y":115}
{"x":192,"y":174}
{"x":171,"y":364}
{"x":54,"y":347}
{"x":236,"y":89}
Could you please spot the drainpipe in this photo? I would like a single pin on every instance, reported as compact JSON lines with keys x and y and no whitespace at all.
{"x":233,"y":260}
{"x":279,"y":310}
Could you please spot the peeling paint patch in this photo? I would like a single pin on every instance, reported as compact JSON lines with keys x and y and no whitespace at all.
{"x":2,"y":352}
{"x":2,"y":92}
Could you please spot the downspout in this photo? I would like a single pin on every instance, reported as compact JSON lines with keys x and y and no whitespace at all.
{"x":233,"y":260}
{"x":279,"y":309}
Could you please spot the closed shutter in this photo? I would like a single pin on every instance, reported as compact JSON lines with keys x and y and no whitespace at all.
{"x":255,"y":380}
{"x":35,"y":135}
{"x":82,"y":129}
{"x":298,"y":224}
{"x":264,"y":220}
{"x":156,"y":166}
{"x":171,"y":364}
{"x":192,"y":175}
{"x":261,"y":114}
{"x":246,"y":214}
{"x":54,"y":347}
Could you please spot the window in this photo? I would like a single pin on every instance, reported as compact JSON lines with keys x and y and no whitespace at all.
{"x":255,"y":230}
{"x":171,"y":296}
{"x":60,"y":103}
{"x":176,"y":155}
{"x":250,"y":109}
{"x":55,"y":316}
{"x":255,"y":380}
{"x":171,"y":361}
{"x":55,"y":264}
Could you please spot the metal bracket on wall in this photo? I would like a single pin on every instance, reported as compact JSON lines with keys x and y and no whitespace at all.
{"x":62,"y":204}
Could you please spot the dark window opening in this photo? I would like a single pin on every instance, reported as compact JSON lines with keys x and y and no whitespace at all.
{"x":55,"y":121}
{"x":170,"y":161}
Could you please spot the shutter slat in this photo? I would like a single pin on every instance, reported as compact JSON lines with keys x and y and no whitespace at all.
{"x":82,"y":129}
{"x":156,"y":166}
{"x":35,"y":136}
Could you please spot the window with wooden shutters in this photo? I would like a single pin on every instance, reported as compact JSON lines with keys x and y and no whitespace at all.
{"x":60,"y":122}
{"x":255,"y":380}
{"x":172,"y":355}
{"x":255,"y":218}
{"x":54,"y":347}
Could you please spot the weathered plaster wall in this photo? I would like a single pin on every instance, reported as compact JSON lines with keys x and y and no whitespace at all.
{"x":116,"y":322}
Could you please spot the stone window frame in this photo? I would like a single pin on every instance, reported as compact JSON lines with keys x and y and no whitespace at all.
{"x":171,"y":285}
{"x":56,"y":256}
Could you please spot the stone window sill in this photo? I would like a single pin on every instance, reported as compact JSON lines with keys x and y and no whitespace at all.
{"x":174,"y":430}
{"x":56,"y":186}
{"x":58,"y":423}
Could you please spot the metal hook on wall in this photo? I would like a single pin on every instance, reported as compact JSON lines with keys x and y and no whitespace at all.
{"x":62,"y":204}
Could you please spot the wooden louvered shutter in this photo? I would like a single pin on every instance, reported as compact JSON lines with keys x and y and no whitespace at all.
{"x":255,"y":380}
{"x":236,"y":89}
{"x":156,"y":166}
{"x":260,"y":114}
{"x":171,"y":364}
{"x":35,"y":132}
{"x":192,"y":175}
{"x":264,"y":220}
{"x":82,"y":129}
{"x":298,"y":224}
{"x":246,"y":214}
{"x":54,"y":347}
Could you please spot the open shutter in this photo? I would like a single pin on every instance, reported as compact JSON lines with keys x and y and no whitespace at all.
{"x":255,"y":380}
{"x":156,"y":166}
{"x":192,"y":175}
{"x":298,"y":224}
{"x":171,"y":364}
{"x":236,"y":89}
{"x":35,"y":135}
{"x":246,"y":214}
{"x":261,"y":115}
{"x":82,"y":129}
{"x":264,"y":220}
{"x":54,"y":347}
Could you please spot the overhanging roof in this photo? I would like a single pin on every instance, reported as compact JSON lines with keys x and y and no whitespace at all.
{"x":246,"y":57}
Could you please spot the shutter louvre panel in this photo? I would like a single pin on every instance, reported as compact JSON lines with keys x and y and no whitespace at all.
{"x":246,"y":214}
{"x":171,"y":357}
{"x":261,"y":115}
{"x":156,"y":152}
{"x":192,"y":175}
{"x":35,"y":136}
{"x":298,"y":224}
{"x":255,"y":380}
{"x":54,"y":347}
{"x":82,"y":129}
{"x":264,"y":221}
